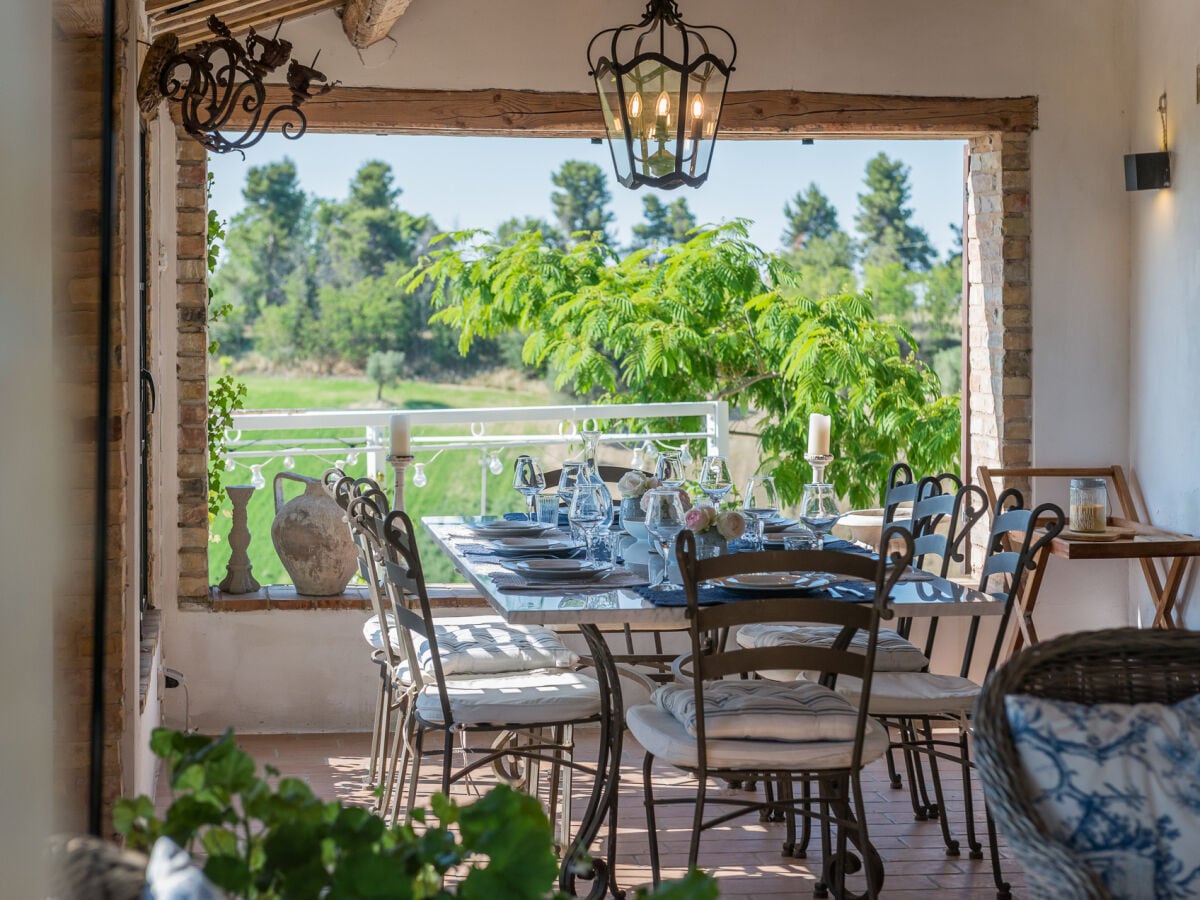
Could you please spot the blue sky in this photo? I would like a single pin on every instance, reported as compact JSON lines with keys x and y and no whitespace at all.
{"x":466,"y":182}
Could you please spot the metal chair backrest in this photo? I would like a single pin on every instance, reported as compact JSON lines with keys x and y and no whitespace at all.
{"x":1013,"y":550}
{"x":902,"y":487}
{"x":365,"y":518}
{"x":713,"y":663}
{"x":609,"y":474}
{"x":942,"y":518}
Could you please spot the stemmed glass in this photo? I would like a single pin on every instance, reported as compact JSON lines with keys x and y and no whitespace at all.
{"x":664,"y":520}
{"x":528,"y":479}
{"x":590,"y":506}
{"x":819,"y":509}
{"x":759,"y":503}
{"x":669,"y":468}
{"x":714,"y":478}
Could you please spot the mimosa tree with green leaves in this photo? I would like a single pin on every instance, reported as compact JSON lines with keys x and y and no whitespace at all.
{"x":715,"y":317}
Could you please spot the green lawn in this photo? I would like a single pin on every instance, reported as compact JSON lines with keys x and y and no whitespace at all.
{"x":454,"y":477}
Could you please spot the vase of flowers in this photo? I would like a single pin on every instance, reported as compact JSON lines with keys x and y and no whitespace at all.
{"x":714,"y":528}
{"x":633,"y":486}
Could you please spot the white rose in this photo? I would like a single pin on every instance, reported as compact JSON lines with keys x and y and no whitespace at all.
{"x":731,"y":525}
{"x":632,"y":484}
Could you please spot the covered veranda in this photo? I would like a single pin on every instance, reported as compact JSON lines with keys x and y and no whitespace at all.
{"x":1080,"y":308}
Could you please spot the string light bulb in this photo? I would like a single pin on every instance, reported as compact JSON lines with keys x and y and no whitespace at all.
{"x":494,"y":464}
{"x":289,"y":462}
{"x":351,"y":459}
{"x":230,"y":465}
{"x":420,"y":479}
{"x":256,"y":477}
{"x":685,"y":457}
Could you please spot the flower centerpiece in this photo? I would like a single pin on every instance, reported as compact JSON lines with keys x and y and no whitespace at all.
{"x":633,"y":486}
{"x":714,"y":527}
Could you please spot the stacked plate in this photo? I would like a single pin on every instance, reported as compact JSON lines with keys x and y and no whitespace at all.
{"x":533,"y":546}
{"x":502,"y":528}
{"x":776,"y":581}
{"x":777,"y":523}
{"x":558,"y":569}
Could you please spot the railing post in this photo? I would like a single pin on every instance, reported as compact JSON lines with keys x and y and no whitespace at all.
{"x":376,"y":459}
{"x":483,"y":474}
{"x":717,"y":425}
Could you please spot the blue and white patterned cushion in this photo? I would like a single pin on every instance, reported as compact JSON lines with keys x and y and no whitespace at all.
{"x":762,"y":710}
{"x":1120,"y":785}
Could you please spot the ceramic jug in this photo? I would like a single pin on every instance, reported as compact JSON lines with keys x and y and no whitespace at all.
{"x":312,"y":538}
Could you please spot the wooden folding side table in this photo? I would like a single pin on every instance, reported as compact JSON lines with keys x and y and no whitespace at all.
{"x":1146,"y":545}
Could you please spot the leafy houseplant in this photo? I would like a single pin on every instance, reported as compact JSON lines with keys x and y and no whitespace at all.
{"x":269,"y":837}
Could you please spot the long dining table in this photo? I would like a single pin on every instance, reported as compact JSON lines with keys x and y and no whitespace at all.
{"x":595,"y":607}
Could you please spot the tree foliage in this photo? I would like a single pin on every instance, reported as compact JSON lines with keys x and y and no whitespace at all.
{"x":715,"y":317}
{"x":884,"y":221}
{"x":662,"y":224}
{"x":581,"y":202}
{"x":810,"y":216}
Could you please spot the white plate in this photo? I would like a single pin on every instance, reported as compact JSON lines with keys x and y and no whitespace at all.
{"x":500,"y":528}
{"x":525,"y":546}
{"x":775,"y":524}
{"x":557,"y":569}
{"x":776,"y":581}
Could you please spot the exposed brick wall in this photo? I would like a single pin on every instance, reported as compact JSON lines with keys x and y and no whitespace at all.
{"x":192,"y":367}
{"x":77,"y":287}
{"x":999,"y":332}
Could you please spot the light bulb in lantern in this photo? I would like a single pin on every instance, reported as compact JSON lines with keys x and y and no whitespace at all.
{"x":662,"y":107}
{"x":289,"y":462}
{"x":697,"y":107}
{"x":420,"y":479}
{"x":256,"y":477}
{"x":230,"y":465}
{"x":494,"y":464}
{"x":635,"y":106}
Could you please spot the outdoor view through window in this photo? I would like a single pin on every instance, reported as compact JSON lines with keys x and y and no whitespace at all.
{"x":570,"y":289}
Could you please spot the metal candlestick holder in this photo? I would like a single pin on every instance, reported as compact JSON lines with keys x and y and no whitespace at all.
{"x":400,"y":464}
{"x":818,"y":461}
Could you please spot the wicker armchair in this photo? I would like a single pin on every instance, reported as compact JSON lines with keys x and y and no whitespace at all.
{"x":1121,"y":665}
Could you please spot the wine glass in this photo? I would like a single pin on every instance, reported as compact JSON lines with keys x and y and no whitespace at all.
{"x":714,"y":478}
{"x":529,"y":480}
{"x":819,"y":509}
{"x":568,"y":479}
{"x":669,"y":468}
{"x":760,"y":503}
{"x":664,"y":520}
{"x":590,"y":506}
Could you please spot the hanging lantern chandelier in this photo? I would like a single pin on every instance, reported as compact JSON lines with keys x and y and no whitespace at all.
{"x":662,"y":83}
{"x":220,"y":77}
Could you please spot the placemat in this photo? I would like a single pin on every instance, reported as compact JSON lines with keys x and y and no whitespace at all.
{"x":511,"y":583}
{"x":710,"y":595}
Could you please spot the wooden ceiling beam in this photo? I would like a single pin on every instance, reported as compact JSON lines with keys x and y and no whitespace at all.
{"x":747,"y":114}
{"x":190,"y":24}
{"x":369,"y":21}
{"x":80,"y":18}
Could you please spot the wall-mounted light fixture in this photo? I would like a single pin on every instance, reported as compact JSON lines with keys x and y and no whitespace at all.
{"x":220,"y":77}
{"x":1150,"y":171}
{"x":662,"y":84}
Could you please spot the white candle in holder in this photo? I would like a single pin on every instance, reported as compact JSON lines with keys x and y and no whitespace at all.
{"x":399,"y":431}
{"x":818,"y":435}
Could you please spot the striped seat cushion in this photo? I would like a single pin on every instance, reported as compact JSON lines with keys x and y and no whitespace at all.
{"x":762,"y":710}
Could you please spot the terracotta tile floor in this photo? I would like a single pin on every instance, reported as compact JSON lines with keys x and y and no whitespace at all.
{"x":744,"y":854}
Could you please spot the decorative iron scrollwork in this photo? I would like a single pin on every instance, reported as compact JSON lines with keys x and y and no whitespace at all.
{"x":218,"y":78}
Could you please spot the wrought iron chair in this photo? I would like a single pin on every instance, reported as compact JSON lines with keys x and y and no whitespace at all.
{"x":681,"y":729}
{"x":904,"y":699}
{"x":1124,"y":666}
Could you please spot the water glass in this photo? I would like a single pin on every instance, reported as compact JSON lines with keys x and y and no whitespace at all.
{"x":669,"y":468}
{"x":588,"y":511}
{"x":819,"y":508}
{"x":752,"y":538}
{"x":760,"y":500}
{"x":801,"y":540}
{"x":547,"y":509}
{"x":528,"y":479}
{"x":714,"y":478}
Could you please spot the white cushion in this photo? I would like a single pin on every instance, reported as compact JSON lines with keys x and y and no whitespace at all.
{"x":522,"y":698}
{"x":762,"y":710}
{"x":664,"y":736}
{"x":374,"y":634}
{"x":912,"y":693}
{"x":1118,"y":783}
{"x":475,"y":645}
{"x":892,"y":652}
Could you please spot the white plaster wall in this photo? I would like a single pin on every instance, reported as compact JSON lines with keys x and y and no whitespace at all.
{"x":1165,"y":280}
{"x":282,"y":671}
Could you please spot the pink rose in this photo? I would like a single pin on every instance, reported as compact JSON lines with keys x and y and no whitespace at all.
{"x":699,"y":518}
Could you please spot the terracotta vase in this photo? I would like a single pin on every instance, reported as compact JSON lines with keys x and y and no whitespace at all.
{"x":312,"y":538}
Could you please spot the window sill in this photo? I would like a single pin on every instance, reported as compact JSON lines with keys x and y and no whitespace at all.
{"x":151,"y":632}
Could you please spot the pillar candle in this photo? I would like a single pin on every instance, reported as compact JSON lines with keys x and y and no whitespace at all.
{"x":818,"y":435}
{"x":399,"y":431}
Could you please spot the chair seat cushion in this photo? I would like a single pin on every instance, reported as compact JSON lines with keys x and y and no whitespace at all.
{"x":520,"y":698}
{"x":892,"y":652}
{"x":762,"y":710}
{"x":665,"y":737}
{"x":373,"y":634}
{"x":1119,"y":784}
{"x":484,"y":645}
{"x":913,"y":693}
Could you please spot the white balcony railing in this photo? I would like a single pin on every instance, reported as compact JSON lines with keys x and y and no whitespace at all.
{"x":465,"y":429}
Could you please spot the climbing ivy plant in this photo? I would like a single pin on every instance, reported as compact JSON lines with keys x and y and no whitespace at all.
{"x":226,"y":395}
{"x":714,"y":317}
